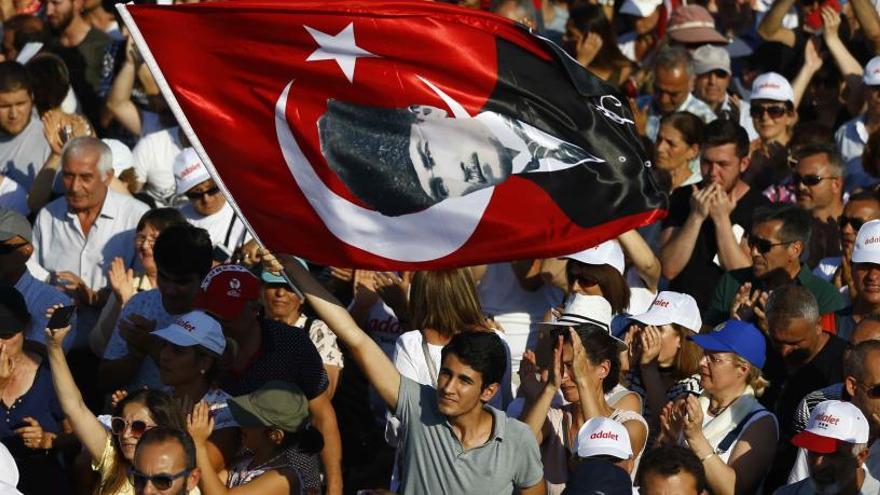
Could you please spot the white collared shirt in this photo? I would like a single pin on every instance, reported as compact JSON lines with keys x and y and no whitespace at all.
{"x":59,"y":243}
{"x":39,"y":297}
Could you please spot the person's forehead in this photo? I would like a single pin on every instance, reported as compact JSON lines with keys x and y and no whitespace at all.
{"x":867,"y":330}
{"x":672,"y":75}
{"x":813,"y":162}
{"x":160,"y":458}
{"x":862,"y":208}
{"x":455,"y":365}
{"x":768,"y":229}
{"x":668,"y":131}
{"x":85,"y":162}
{"x":723,"y":152}
{"x":792,"y":330}
{"x":681,"y":483}
{"x":202,"y":186}
{"x":136,"y":410}
{"x":15,"y":95}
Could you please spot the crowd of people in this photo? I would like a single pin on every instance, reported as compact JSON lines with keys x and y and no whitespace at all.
{"x":732,"y":348}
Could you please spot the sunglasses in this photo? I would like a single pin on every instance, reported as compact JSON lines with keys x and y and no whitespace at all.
{"x":10,"y":248}
{"x":774,"y":111}
{"x":807,"y":180}
{"x":763,"y":245}
{"x":195,"y":196}
{"x":160,"y":481}
{"x":873,"y":391}
{"x":855,"y":223}
{"x":138,"y":427}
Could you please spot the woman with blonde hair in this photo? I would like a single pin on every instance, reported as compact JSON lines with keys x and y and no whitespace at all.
{"x":729,"y":431}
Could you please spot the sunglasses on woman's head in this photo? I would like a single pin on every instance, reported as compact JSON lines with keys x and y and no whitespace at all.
{"x":138,"y":427}
{"x":161,"y":481}
{"x":775,"y":111}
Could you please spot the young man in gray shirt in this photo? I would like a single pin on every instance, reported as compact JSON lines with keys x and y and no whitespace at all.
{"x":453,"y":442}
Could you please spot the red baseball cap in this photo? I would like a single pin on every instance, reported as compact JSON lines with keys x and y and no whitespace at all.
{"x":226,"y":289}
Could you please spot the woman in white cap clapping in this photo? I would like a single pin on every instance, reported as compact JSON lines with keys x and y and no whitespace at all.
{"x":773,"y":111}
{"x":665,"y":364}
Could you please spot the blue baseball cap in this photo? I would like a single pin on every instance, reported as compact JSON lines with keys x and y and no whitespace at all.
{"x":738,"y":337}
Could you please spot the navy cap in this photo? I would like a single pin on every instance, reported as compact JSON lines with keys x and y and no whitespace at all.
{"x":738,"y":337}
{"x":597,"y":476}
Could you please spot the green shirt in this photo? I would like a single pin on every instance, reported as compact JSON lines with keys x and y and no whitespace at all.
{"x":826,"y":295}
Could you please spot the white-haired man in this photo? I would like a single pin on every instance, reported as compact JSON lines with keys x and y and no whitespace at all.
{"x":77,"y":236}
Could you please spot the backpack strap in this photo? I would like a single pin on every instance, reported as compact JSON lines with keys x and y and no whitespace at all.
{"x":731,"y":437}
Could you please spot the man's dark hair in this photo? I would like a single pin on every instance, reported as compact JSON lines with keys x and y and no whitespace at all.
{"x":161,"y":434}
{"x":835,"y":162}
{"x":865,"y":195}
{"x":184,"y":249}
{"x":669,"y":460}
{"x":724,"y":131}
{"x":855,"y":359}
{"x":600,"y":346}
{"x":797,"y":223}
{"x":50,"y":80}
{"x":482,"y":351}
{"x":160,"y":219}
{"x":13,"y":77}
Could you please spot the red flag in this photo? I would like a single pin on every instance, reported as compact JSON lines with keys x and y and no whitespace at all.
{"x":398,"y":135}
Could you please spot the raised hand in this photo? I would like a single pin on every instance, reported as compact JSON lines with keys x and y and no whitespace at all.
{"x":393,"y":289}
{"x":121,"y":280}
{"x":831,"y":21}
{"x":199,"y":423}
{"x":693,"y":417}
{"x":54,"y":337}
{"x":117,"y":397}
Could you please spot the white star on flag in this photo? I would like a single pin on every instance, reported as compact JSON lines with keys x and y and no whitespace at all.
{"x":340,"y":48}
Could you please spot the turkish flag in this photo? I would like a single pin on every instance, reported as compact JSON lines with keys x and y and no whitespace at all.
{"x":398,"y":134}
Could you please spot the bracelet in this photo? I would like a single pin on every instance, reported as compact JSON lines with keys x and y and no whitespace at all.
{"x":703,"y":459}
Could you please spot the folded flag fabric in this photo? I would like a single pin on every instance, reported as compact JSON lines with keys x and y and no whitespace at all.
{"x":398,"y":134}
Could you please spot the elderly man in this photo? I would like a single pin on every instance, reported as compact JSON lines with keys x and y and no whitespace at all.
{"x":673,"y":83}
{"x":836,"y":439}
{"x":165,"y":462}
{"x":15,"y":250}
{"x":77,"y":236}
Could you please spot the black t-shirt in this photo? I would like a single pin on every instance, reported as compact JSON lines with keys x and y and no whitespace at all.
{"x":286,"y":354}
{"x":701,"y":274}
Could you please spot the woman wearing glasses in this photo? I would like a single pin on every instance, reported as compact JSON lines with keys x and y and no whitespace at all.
{"x":112,"y":451}
{"x":774,"y":115}
{"x":727,"y":429}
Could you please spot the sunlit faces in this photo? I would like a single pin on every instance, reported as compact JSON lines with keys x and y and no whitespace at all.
{"x":15,"y":111}
{"x":179,"y":365}
{"x":771,"y":118}
{"x":720,"y":165}
{"x":767,"y":249}
{"x":711,"y":87}
{"x":460,"y":388}
{"x":866,"y":277}
{"x":206,"y":198}
{"x":160,"y":469}
{"x":144,"y":241}
{"x":279,"y":301}
{"x":671,"y":88}
{"x":454,"y":157}
{"x":85,"y":185}
{"x":720,"y":370}
{"x":673,"y":152}
{"x":855,"y":214}
{"x":133,"y":411}
{"x":825,"y":192}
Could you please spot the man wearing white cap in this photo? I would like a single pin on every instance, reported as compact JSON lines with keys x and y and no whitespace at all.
{"x":852,"y":136}
{"x":207,"y":207}
{"x":836,"y":440}
{"x":865,"y":269}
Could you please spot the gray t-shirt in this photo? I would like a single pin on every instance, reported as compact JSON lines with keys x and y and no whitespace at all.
{"x":435,"y":462}
{"x":23,"y":155}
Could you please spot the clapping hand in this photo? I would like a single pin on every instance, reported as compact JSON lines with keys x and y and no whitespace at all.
{"x":121,"y":280}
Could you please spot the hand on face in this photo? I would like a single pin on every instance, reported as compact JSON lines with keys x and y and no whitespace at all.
{"x":650,"y":343}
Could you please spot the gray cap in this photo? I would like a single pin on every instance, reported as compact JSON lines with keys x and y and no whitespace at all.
{"x":13,"y":223}
{"x":710,"y":57}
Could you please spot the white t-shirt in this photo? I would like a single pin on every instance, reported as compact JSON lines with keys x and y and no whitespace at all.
{"x":153,"y":162}
{"x":516,"y":309}
{"x":23,"y":155}
{"x":13,"y":196}
{"x":224,"y":227}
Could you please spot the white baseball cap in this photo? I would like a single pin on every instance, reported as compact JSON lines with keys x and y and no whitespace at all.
{"x":189,"y":171}
{"x":122,"y":157}
{"x":672,"y":307}
{"x":607,"y":253}
{"x":832,"y":423}
{"x":640,"y":8}
{"x":772,"y":86}
{"x":867,"y":248}
{"x":195,"y":328}
{"x":603,"y":436}
{"x":872,"y":72}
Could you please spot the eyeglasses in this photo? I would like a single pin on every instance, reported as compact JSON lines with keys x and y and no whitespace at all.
{"x":161,"y":481}
{"x":873,"y":391}
{"x":715,"y":360}
{"x":774,"y":111}
{"x":138,"y":427}
{"x":809,"y":180}
{"x":10,"y":248}
{"x":855,"y":223}
{"x":763,"y":245}
{"x":195,"y":196}
{"x":144,"y":239}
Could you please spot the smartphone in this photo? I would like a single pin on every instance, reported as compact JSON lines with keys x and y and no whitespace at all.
{"x":61,"y":317}
{"x":547,"y":337}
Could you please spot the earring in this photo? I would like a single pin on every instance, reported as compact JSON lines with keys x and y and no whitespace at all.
{"x":202,"y":371}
